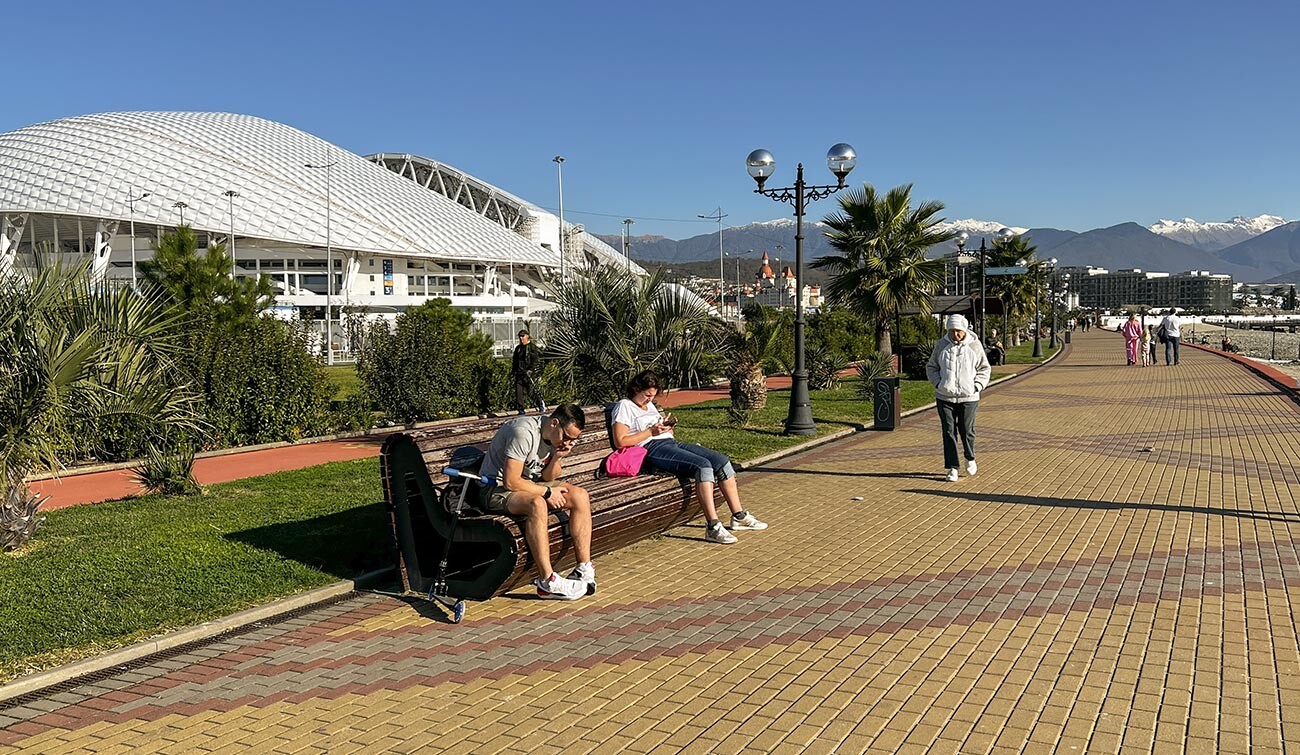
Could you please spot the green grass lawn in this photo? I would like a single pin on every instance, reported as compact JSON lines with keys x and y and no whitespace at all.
{"x":1021,"y":354}
{"x":345,"y":377}
{"x":102,"y":576}
{"x":106,"y":575}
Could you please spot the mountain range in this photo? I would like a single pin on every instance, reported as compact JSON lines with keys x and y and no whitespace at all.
{"x":1261,"y":249}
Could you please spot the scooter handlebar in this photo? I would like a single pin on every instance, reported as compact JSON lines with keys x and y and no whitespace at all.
{"x":454,"y":472}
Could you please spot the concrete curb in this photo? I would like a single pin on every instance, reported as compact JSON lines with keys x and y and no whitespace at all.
{"x":45,"y":679}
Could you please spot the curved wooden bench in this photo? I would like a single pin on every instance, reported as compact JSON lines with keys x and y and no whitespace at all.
{"x":489,"y":555}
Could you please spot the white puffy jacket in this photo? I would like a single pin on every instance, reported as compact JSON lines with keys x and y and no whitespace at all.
{"x":958,"y":370}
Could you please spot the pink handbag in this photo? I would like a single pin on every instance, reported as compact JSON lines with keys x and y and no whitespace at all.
{"x":625,"y":462}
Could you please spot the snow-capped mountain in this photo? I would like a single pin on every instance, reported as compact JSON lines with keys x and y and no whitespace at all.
{"x":979,"y":227}
{"x":1216,"y":235}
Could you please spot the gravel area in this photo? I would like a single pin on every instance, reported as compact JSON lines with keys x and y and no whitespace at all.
{"x":1258,"y":344}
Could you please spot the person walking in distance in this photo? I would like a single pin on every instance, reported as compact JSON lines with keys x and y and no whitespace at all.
{"x":1173,"y":335}
{"x":1146,"y":349}
{"x":524,"y":365}
{"x":959,"y":370}
{"x":1132,"y":330}
{"x":525,"y":458}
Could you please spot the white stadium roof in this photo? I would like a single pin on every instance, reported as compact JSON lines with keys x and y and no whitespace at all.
{"x":88,"y":165}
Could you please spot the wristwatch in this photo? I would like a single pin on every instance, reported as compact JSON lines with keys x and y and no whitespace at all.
{"x":547,"y":495}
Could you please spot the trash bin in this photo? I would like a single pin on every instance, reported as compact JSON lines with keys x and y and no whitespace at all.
{"x":886,"y":406}
{"x":1067,"y":336}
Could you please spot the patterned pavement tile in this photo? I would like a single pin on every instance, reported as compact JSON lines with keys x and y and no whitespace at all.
{"x":1121,"y":576}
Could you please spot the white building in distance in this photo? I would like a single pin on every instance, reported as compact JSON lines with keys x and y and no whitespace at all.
{"x":393,"y":231}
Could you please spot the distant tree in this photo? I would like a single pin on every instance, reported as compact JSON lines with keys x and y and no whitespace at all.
{"x":428,"y":365}
{"x":202,"y":285}
{"x":881,"y":265}
{"x":1016,"y":292}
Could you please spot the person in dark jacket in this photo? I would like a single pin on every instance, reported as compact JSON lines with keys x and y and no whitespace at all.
{"x":525,"y":364}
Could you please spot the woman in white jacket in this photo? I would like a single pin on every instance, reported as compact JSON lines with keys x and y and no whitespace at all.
{"x":959,"y":370}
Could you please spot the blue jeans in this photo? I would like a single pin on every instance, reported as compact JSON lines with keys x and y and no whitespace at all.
{"x":689,"y":460}
{"x":957,"y":421}
{"x":1171,"y":341}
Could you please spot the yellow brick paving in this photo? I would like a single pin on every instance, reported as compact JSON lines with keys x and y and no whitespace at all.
{"x":1119,"y":577}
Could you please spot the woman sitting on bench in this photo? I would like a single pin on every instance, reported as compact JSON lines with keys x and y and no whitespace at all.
{"x":636,"y":421}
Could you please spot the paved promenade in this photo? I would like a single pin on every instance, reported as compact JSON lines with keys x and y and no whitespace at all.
{"x":1117,"y":578}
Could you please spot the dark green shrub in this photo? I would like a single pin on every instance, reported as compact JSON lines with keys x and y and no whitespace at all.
{"x":427,"y":366}
{"x":261,"y":383}
{"x":169,"y":471}
{"x":840,"y":332}
{"x":824,"y":365}
{"x":877,"y":364}
{"x":915,"y":359}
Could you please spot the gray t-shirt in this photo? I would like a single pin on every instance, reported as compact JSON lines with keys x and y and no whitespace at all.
{"x":520,"y":438}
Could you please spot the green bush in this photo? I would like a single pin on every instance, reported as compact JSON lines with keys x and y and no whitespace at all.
{"x":428,"y":366}
{"x":824,"y":365}
{"x":168,"y":471}
{"x":877,"y":364}
{"x":261,"y":382}
{"x":840,"y":332}
{"x":915,"y":359}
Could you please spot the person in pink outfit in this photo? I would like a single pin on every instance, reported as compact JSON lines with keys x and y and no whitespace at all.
{"x":1132,"y":331}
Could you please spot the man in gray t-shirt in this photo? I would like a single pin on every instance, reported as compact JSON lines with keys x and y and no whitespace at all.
{"x":515,"y":460}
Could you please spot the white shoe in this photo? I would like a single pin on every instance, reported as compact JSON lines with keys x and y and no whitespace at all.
{"x":952,"y":475}
{"x":558,"y":588}
{"x":586,"y":574}
{"x":718,"y":534}
{"x":972,"y":467}
{"x":750,"y":522}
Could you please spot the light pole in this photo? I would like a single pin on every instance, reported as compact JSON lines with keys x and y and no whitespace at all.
{"x":130,"y":201}
{"x":559,"y":176}
{"x":181,"y":206}
{"x":718,"y":215}
{"x":329,"y":261}
{"x":1065,"y":297}
{"x":1038,"y":311}
{"x":841,"y":159}
{"x":627,"y":241}
{"x":230,"y":195}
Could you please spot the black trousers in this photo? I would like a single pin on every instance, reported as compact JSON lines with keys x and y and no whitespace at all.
{"x":957,"y":421}
{"x":528,"y":395}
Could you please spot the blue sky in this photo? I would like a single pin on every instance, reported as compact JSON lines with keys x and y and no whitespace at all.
{"x":1071,"y":115}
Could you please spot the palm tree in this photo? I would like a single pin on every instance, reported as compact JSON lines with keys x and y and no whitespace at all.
{"x":881,"y":266}
{"x":758,"y":344}
{"x":1016,"y":292}
{"x":73,"y":351}
{"x":609,"y":325}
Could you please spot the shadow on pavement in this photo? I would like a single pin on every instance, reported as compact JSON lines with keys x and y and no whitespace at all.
{"x":832,"y":473}
{"x":1103,"y":505}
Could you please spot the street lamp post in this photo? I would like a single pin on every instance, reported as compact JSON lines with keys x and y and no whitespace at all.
{"x":180,"y":206}
{"x":718,"y":215}
{"x":841,"y":159}
{"x":329,"y":262}
{"x":1065,"y":308}
{"x":1038,"y":311}
{"x":130,"y":201}
{"x":230,"y":195}
{"x":627,"y":241}
{"x":559,"y":176}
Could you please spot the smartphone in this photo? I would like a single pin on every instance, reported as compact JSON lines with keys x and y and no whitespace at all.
{"x":669,"y":420}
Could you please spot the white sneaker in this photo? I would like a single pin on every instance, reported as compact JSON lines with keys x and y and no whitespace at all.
{"x":750,"y":522}
{"x":972,"y":467}
{"x":719,"y":534}
{"x":558,"y":588}
{"x":952,"y":475}
{"x":586,"y":574}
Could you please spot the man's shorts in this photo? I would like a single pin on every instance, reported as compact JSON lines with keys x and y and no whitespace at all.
{"x":493,"y":500}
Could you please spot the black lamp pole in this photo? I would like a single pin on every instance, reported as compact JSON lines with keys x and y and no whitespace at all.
{"x":760,"y":163}
{"x":983,"y":310}
{"x":1038,"y":314}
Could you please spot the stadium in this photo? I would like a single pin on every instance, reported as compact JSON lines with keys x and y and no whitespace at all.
{"x":391,"y":230}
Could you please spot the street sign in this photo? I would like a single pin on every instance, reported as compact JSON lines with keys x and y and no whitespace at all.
{"x":1015,"y":270}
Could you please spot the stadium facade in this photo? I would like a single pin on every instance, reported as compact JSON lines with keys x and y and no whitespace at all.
{"x":393,"y":230}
